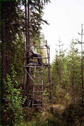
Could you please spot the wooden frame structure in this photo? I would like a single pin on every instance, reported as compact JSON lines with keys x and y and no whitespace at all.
{"x":34,"y":73}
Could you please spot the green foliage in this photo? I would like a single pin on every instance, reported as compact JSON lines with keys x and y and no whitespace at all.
{"x":18,"y":56}
{"x":13,"y":98}
{"x":66,"y":76}
{"x":36,"y":18}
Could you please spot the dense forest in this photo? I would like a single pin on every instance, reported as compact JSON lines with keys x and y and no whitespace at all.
{"x":66,"y":106}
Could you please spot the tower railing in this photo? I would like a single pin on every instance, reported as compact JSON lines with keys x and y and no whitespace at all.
{"x":38,"y":78}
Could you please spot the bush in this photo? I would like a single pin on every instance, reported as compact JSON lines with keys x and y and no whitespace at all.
{"x":13,"y":99}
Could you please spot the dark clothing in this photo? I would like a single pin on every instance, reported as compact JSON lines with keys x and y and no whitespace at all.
{"x":38,"y":57}
{"x":33,"y":53}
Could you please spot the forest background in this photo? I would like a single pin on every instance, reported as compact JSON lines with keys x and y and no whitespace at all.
{"x":67,"y":107}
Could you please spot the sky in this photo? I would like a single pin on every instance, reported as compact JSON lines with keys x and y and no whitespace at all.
{"x":65,"y":18}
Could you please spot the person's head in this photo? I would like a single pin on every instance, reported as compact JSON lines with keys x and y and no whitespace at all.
{"x":35,"y":44}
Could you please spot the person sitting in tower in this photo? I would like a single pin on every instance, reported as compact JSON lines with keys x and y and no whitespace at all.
{"x":34,"y":53}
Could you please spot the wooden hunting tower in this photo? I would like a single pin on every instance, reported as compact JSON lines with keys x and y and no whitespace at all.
{"x":37,"y":77}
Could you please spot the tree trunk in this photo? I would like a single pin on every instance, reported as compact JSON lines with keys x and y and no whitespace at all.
{"x":6,"y":7}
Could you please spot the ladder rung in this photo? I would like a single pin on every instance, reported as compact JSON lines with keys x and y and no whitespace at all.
{"x":38,"y":65}
{"x":37,"y":104}
{"x":34,"y":97}
{"x":37,"y":91}
{"x":37,"y":85}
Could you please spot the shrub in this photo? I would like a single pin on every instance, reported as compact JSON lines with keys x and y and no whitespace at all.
{"x":13,"y":99}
